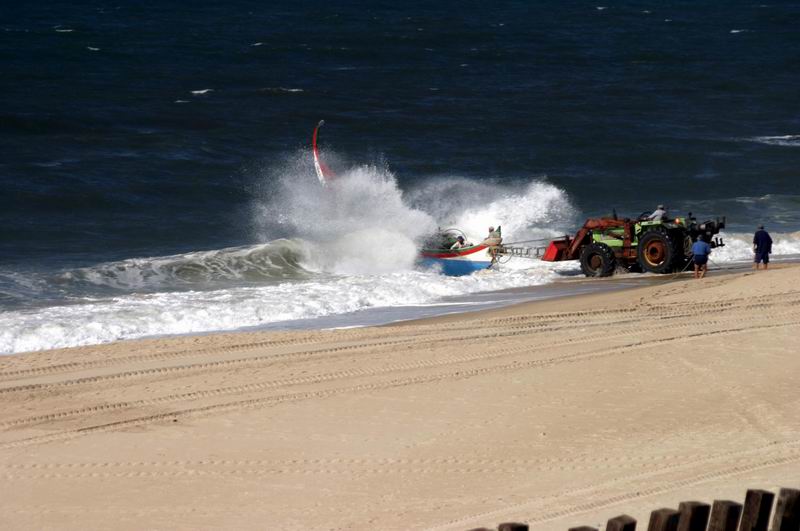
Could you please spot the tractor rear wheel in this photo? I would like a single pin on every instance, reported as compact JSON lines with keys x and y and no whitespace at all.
{"x":598,"y":260}
{"x":656,"y":252}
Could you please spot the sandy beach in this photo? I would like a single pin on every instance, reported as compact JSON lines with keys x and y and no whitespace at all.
{"x":556,"y":413}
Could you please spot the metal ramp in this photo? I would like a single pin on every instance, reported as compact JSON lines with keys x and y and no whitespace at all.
{"x":515,"y":251}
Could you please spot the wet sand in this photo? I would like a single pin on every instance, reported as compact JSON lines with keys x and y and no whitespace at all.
{"x":558,"y":412}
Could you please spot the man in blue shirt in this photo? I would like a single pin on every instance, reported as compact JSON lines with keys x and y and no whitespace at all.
{"x":762,"y":247}
{"x":700,"y":250}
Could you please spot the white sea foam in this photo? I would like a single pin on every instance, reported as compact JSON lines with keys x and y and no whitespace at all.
{"x":536,"y":210}
{"x":202,"y":91}
{"x":280,"y":89}
{"x":780,"y":140}
{"x":358,"y":224}
{"x":134,"y":316}
{"x":739,"y":246}
{"x":92,"y":49}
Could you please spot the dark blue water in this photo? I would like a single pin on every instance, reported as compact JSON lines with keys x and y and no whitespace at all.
{"x":106,"y":153}
{"x":133,"y":133}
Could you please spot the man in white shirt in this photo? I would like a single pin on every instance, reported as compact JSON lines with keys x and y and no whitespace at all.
{"x":460,"y":243}
{"x":659,"y":214}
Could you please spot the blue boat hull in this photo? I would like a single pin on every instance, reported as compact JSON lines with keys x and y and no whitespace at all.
{"x":456,"y":268}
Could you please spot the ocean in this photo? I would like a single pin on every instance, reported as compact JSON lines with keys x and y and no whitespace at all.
{"x":156,"y":175}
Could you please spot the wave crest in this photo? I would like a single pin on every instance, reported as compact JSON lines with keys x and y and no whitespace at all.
{"x":280,"y":259}
{"x":780,"y":140}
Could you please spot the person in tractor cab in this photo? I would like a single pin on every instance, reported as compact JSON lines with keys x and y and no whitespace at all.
{"x":700,"y":250}
{"x":659,"y":214}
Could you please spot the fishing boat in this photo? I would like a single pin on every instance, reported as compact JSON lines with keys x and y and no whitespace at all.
{"x":437,"y":252}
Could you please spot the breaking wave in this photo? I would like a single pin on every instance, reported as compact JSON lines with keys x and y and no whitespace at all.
{"x":275,"y":260}
{"x":358,"y":224}
{"x":363,"y":223}
{"x":163,"y":313}
{"x":344,"y":248}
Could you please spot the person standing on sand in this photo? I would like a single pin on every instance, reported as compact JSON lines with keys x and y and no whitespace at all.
{"x":700,"y":250}
{"x":762,"y":247}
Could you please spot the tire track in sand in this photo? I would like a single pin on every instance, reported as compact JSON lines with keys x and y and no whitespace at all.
{"x":337,"y":375}
{"x":574,"y":318}
{"x":254,"y":360}
{"x":398,"y":382}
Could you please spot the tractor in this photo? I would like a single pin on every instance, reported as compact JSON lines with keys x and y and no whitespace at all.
{"x":653,"y":246}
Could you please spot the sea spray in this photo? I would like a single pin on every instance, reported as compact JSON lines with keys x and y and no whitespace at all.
{"x":525,"y":211}
{"x":366,"y":251}
{"x":357,"y":224}
{"x":362,"y":222}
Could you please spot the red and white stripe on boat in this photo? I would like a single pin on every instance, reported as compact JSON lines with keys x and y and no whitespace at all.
{"x":455,"y":253}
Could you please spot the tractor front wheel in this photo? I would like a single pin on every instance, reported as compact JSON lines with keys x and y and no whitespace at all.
{"x":656,"y":252}
{"x":598,"y":260}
